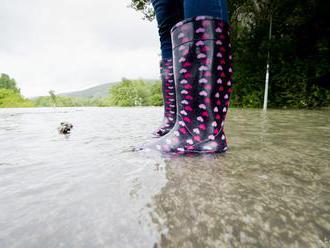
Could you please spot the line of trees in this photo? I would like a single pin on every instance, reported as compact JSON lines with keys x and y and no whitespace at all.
{"x":125,"y":93}
{"x":54,"y":100}
{"x":11,"y":97}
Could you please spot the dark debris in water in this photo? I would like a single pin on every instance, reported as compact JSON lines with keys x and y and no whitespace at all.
{"x":65,"y":128}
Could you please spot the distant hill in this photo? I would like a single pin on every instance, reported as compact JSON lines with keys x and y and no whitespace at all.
{"x":98,"y":91}
{"x":93,"y":92}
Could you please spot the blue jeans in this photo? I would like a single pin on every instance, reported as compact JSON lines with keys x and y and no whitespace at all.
{"x":170,"y":12}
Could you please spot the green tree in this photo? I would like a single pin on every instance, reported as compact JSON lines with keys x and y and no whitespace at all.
{"x":7,"y":83}
{"x":299,"y":51}
{"x":145,"y":7}
{"x":52,"y":97}
{"x":10,"y":96}
{"x":135,"y":93}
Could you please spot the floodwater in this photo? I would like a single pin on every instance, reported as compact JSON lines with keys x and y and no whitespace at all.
{"x":89,"y":189}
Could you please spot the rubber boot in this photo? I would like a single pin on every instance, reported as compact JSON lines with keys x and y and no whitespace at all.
{"x":203,"y":78}
{"x":168,"y":89}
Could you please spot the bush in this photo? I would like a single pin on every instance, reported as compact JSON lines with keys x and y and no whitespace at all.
{"x":11,"y":98}
{"x":136,"y":93}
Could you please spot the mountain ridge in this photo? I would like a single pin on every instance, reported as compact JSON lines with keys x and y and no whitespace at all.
{"x":98,"y":91}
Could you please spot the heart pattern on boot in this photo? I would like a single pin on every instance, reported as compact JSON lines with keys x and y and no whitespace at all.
{"x":168,"y":88}
{"x":203,"y":74}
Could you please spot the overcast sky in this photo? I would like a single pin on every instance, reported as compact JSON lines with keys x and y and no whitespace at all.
{"x":67,"y":45}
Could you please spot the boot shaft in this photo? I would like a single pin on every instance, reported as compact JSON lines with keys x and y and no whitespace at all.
{"x":168,"y":88}
{"x":203,"y":75}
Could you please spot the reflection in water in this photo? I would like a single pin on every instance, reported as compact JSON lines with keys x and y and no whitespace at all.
{"x":268,"y":191}
{"x":89,"y":190}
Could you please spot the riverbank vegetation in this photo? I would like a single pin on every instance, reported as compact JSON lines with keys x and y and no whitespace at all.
{"x":129,"y":93}
{"x":125,"y":93}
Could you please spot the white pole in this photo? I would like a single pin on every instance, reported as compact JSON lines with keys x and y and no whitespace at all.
{"x":268,"y":66}
{"x":266,"y":88}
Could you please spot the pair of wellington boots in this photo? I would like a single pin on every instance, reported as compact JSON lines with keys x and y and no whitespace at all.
{"x":197,"y":84}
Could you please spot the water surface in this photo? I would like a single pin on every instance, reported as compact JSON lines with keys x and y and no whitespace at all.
{"x":89,"y":189}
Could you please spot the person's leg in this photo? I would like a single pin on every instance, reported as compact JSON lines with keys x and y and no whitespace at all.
{"x":215,"y":8}
{"x":203,"y":78}
{"x":168,"y":13}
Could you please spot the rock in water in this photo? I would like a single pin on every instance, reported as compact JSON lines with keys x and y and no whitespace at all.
{"x":65,"y":128}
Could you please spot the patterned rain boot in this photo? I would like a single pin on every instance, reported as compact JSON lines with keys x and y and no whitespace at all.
{"x":168,"y":88}
{"x":203,"y":76}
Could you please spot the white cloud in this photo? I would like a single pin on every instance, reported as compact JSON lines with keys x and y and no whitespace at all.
{"x":69,"y":45}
